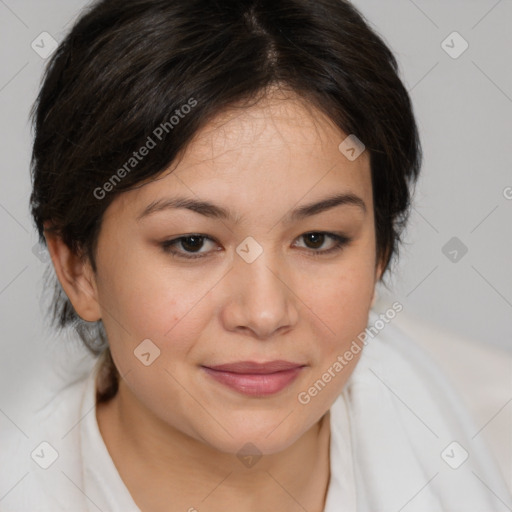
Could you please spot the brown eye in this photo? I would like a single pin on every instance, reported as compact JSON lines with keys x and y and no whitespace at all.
{"x":316,"y":239}
{"x":190,"y":245}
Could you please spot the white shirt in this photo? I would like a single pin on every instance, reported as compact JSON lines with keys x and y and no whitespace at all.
{"x":83,"y":477}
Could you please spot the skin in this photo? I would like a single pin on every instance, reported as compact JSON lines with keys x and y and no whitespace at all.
{"x":172,"y":431}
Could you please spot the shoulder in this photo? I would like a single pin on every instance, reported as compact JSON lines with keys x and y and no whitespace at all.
{"x":480,"y":373}
{"x":406,"y":413}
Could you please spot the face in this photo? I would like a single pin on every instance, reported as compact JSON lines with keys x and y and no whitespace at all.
{"x":263,"y":283}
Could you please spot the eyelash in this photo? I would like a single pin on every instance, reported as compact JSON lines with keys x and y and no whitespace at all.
{"x":340,"y":241}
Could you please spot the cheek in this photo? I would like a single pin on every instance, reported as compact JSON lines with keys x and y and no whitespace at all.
{"x":343,"y":315}
{"x":137,"y":301}
{"x":343,"y":298}
{"x":340,"y":310}
{"x":152,"y":301}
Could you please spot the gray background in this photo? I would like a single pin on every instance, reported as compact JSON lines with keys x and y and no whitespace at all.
{"x":463,"y":107}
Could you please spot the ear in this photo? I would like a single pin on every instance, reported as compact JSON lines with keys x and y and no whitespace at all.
{"x":75,"y":276}
{"x":379,"y":269}
{"x":378,"y":274}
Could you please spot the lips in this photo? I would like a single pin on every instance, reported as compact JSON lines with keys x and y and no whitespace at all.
{"x":252,"y":367}
{"x":255,"y":379}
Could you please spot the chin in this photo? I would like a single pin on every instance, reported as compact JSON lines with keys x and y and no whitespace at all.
{"x":254,"y":440}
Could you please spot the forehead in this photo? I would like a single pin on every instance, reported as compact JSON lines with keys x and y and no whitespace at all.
{"x":281,"y":123}
{"x":279,"y":150}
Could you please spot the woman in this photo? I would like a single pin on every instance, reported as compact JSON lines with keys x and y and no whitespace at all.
{"x":220,"y":187}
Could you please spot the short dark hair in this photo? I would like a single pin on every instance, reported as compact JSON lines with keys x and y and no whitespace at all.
{"x":128,"y":66}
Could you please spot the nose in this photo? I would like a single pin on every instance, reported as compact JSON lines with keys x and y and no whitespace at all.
{"x":260,"y":298}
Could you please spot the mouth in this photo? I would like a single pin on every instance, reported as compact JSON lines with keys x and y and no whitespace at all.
{"x":255,"y":379}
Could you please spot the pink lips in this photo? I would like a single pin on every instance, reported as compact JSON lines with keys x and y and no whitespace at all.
{"x":255,"y":379}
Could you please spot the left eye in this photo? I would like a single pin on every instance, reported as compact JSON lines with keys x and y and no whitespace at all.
{"x":318,"y":239}
{"x":193,"y":243}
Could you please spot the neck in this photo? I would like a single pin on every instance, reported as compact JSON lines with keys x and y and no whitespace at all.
{"x":163,"y":465}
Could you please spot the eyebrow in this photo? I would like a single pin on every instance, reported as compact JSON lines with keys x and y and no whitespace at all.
{"x":215,"y":211}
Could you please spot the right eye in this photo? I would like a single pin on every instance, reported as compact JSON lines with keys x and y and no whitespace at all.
{"x":190,"y":243}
